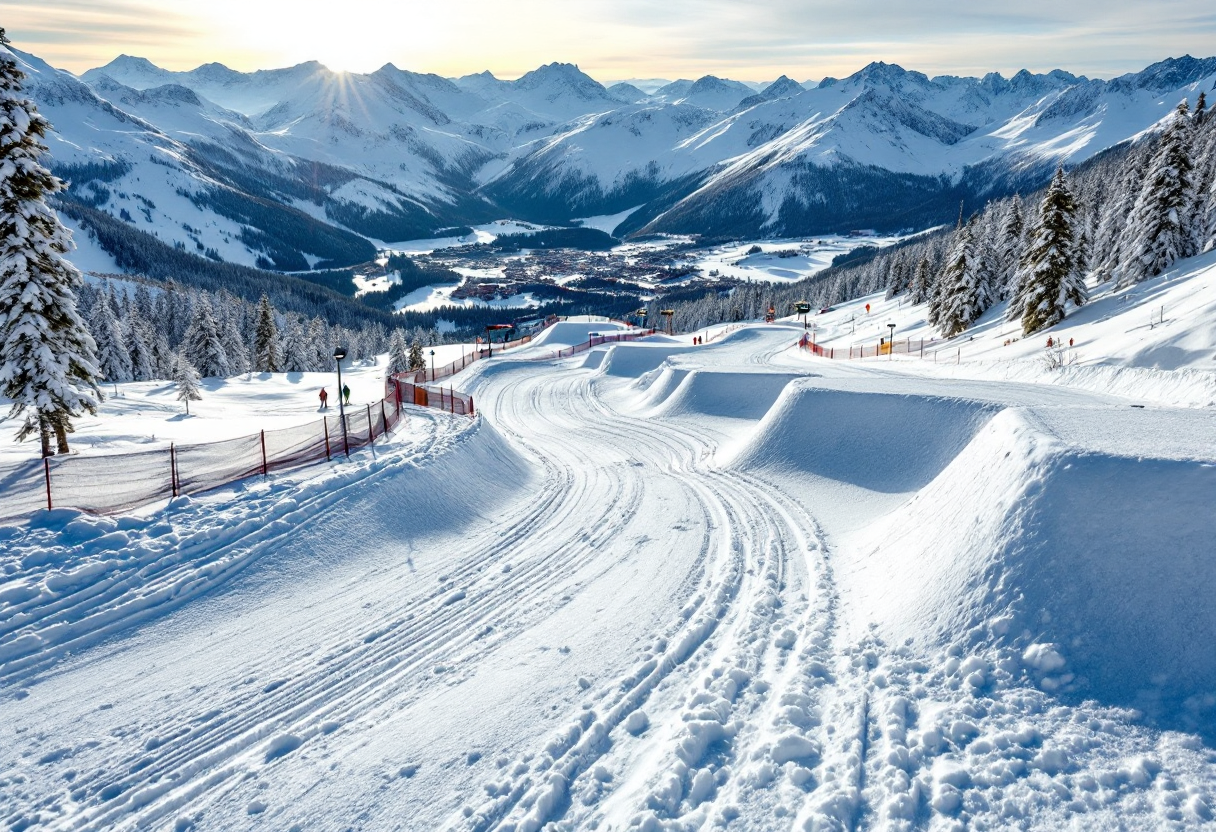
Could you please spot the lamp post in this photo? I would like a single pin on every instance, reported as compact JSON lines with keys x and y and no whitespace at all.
{"x":802,"y":308}
{"x":891,"y":354}
{"x":339,"y":354}
{"x":432,"y":366}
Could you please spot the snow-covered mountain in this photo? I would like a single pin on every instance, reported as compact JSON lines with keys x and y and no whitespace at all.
{"x":299,"y":166}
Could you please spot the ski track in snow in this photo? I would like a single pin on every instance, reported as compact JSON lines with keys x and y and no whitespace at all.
{"x":748,"y":705}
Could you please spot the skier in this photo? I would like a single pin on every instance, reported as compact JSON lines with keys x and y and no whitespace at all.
{"x":346,"y":392}
{"x":324,"y":399}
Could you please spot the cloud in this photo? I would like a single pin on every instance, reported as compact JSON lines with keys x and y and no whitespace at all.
{"x":754,"y":39}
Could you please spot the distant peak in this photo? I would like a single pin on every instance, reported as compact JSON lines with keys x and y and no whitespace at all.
{"x":783,"y":86}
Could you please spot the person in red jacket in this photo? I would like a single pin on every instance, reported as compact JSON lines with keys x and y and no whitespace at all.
{"x":324,"y":399}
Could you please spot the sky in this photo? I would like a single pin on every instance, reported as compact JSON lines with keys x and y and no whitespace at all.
{"x":620,"y":39}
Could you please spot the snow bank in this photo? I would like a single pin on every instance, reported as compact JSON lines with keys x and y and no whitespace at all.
{"x":635,"y":360}
{"x":880,"y":442}
{"x":574,"y":332}
{"x":733,"y":395}
{"x":112,"y":574}
{"x":1097,"y":570}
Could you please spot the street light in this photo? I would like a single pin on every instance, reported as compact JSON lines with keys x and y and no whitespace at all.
{"x":339,"y":354}
{"x":432,"y":365}
{"x":892,"y":342}
{"x":802,"y":308}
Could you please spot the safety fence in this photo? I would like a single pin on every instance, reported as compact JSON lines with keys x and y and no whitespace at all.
{"x":593,"y":341}
{"x":406,"y":389}
{"x":432,"y":374}
{"x":107,"y":483}
{"x":919,"y":347}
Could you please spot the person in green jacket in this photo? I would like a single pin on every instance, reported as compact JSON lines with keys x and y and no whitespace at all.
{"x":346,"y":392}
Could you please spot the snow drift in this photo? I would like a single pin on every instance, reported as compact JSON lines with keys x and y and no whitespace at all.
{"x":1097,"y":569}
{"x":730,"y":395}
{"x":884,"y":443}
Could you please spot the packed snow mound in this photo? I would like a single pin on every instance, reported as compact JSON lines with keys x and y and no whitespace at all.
{"x":635,"y":360}
{"x":731,"y":395}
{"x":880,"y":442}
{"x":1097,"y":569}
{"x":659,"y":384}
{"x":573,"y":333}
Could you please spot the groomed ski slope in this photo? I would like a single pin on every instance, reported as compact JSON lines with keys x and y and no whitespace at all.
{"x":650,"y":587}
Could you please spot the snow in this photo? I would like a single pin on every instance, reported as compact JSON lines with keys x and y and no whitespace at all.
{"x":802,"y":257}
{"x":662,"y":586}
{"x":147,"y":414}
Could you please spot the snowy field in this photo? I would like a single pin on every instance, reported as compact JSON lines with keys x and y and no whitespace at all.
{"x":783,"y":261}
{"x":657,"y":586}
{"x":147,"y":414}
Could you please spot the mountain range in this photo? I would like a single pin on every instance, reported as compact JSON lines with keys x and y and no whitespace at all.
{"x":303,"y":167}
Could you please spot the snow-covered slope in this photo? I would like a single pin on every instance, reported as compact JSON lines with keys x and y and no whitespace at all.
{"x":653,"y":586}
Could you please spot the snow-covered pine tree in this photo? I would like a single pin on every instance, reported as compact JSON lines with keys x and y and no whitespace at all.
{"x":1158,"y":226}
{"x":319,"y":341}
{"x":960,"y":301}
{"x":203,"y":345}
{"x":1010,"y":243}
{"x":297,"y":355}
{"x":113,"y":354}
{"x":398,"y":354}
{"x":143,"y":303}
{"x":922,"y":282}
{"x":416,"y":359}
{"x":229,"y":321}
{"x":1050,"y":276}
{"x":1204,"y":222}
{"x":267,"y":354}
{"x":897,"y":278}
{"x":140,"y":349}
{"x":185,"y":376}
{"x":47,"y":359}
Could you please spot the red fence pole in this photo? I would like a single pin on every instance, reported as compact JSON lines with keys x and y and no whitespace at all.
{"x":173,"y":467}
{"x":46,"y":469}
{"x":371,"y":429}
{"x":325,"y":427}
{"x":263,"y":453}
{"x":383,"y":416}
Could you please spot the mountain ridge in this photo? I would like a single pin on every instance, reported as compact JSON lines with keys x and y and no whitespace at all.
{"x":395,"y":154}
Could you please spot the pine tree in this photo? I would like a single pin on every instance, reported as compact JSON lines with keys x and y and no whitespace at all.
{"x":113,"y":357}
{"x":1049,"y":276}
{"x":202,"y":344}
{"x":186,"y":378}
{"x":922,"y":282}
{"x":267,"y":354}
{"x":1158,"y":227}
{"x":297,"y":355}
{"x":1009,"y":248}
{"x":961,"y":299}
{"x":416,"y":361}
{"x":230,"y":335}
{"x":139,"y":341}
{"x":897,"y":279}
{"x":47,"y":356}
{"x":398,"y":358}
